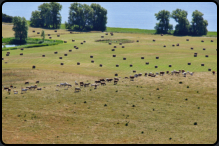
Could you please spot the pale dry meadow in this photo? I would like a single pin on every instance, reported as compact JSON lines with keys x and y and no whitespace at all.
{"x":169,"y":109}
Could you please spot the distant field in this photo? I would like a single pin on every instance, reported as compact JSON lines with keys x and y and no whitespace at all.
{"x":146,"y":31}
{"x":169,"y":109}
{"x":135,"y":30}
{"x":130,"y":30}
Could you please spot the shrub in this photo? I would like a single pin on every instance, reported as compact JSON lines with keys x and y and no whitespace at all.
{"x":105,"y":104}
{"x":187,"y":86}
{"x":195,"y":123}
{"x":40,"y":42}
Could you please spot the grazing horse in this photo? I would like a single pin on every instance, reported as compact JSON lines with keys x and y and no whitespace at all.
{"x":22,"y":89}
{"x":177,"y":72}
{"x":81,"y":83}
{"x":97,"y":81}
{"x":145,"y":74}
{"x":108,"y":80}
{"x":94,"y":84}
{"x":6,"y":88}
{"x":132,"y":78}
{"x":191,"y":73}
{"x":136,"y":75}
{"x":15,"y":92}
{"x":86,"y":84}
{"x":64,"y":84}
{"x":115,"y":81}
{"x":77,"y":89}
{"x":26,"y":83}
{"x":150,"y":74}
{"x":69,"y":85}
{"x":103,"y":83}
{"x":162,"y":73}
{"x":33,"y":87}
{"x":102,"y":79}
{"x":213,"y":72}
{"x":37,"y":82}
{"x":140,"y":74}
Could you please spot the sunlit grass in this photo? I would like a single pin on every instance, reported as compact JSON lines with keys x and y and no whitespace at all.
{"x":146,"y":110}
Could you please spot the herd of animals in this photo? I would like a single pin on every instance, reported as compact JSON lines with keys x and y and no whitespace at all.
{"x":101,"y":82}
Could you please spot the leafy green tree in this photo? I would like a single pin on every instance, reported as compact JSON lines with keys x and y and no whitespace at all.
{"x":45,"y":15}
{"x":80,"y":15}
{"x":99,"y":19}
{"x":20,"y":27}
{"x":48,"y":15}
{"x":163,"y":26}
{"x":35,"y":19}
{"x":56,"y":16}
{"x":180,"y":16}
{"x":198,"y":24}
{"x":43,"y":35}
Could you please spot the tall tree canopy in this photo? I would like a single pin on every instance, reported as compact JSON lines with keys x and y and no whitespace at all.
{"x":81,"y":15}
{"x":56,"y":16}
{"x":198,"y":24}
{"x":180,"y":16}
{"x":20,"y":27}
{"x":163,"y":26}
{"x":48,"y":15}
{"x":99,"y":17}
{"x":35,"y":19}
{"x":85,"y":16}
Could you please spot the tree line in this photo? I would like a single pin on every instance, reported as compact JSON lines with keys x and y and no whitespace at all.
{"x":93,"y":17}
{"x":197,"y":27}
{"x":7,"y":18}
{"x":81,"y":16}
{"x":47,"y":16}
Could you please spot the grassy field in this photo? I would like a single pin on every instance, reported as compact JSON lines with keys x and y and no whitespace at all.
{"x":146,"y":110}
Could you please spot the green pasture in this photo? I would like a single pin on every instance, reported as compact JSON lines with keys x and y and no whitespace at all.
{"x":177,"y":56}
{"x":169,"y":109}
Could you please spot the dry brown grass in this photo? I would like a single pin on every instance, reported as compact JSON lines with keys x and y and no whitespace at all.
{"x":63,"y":117}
